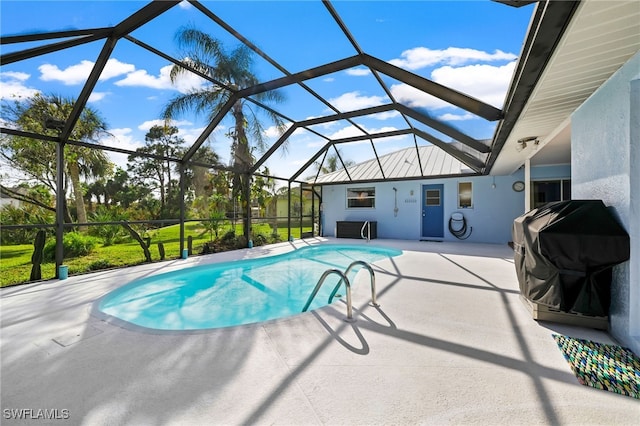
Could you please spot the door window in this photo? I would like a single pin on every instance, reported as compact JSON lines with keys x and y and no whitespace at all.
{"x":432,"y":197}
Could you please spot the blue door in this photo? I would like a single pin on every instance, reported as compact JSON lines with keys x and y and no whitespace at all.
{"x":433,"y":211}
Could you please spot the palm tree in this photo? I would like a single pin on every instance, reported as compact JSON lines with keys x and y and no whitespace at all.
{"x":37,"y":158}
{"x":331,"y":164}
{"x":233,"y":70}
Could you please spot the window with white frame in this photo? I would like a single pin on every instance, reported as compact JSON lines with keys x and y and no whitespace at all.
{"x":465,"y":195}
{"x":361,"y":197}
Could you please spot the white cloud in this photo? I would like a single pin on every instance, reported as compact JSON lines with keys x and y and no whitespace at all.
{"x":15,"y":75}
{"x":115,"y":68}
{"x":122,"y":138}
{"x":185,"y":131}
{"x":316,"y":143}
{"x":353,"y":101}
{"x":488,"y":83}
{"x":78,"y":73}
{"x":185,"y":5}
{"x":384,"y":115}
{"x":97,"y":96}
{"x":190,"y":135}
{"x":413,"y":97}
{"x":145,"y":126}
{"x":346,"y":132}
{"x":456,"y":117}
{"x":421,"y":57}
{"x":12,"y":86}
{"x":358,"y":72}
{"x":349,"y":131}
{"x":274,"y":132}
{"x":485,"y":82}
{"x":329,"y":80}
{"x":142,"y":78}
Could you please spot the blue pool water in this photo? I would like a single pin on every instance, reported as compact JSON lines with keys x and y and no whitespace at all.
{"x":234,"y":293}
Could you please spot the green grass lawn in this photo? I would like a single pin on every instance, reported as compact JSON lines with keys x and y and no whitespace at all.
{"x":15,"y":260}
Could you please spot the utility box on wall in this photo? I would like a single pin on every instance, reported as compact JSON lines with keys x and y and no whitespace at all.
{"x":353,"y":229}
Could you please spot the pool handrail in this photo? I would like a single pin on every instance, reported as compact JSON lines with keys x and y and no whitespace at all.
{"x":347,"y":283}
{"x":364,"y":264}
{"x":343,"y":278}
{"x":367,"y":225}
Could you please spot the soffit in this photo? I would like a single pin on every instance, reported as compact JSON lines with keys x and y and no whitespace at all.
{"x":601,"y":37}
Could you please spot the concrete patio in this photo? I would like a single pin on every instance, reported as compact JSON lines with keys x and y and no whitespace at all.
{"x":451,"y":343}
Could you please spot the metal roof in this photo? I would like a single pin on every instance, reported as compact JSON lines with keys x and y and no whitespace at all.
{"x":427,"y":161}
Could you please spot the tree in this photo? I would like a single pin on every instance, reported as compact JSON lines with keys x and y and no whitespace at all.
{"x":263,"y":191}
{"x":233,"y":69}
{"x":332,"y":163}
{"x":37,"y":158}
{"x":200,"y":177}
{"x":36,"y":209}
{"x":159,"y":174}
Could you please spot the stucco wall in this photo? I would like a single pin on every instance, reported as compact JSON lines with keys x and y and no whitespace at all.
{"x":559,"y":171}
{"x":606,"y":165}
{"x":491,"y":217}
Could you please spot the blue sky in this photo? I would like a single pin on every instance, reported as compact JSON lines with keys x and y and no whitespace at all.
{"x":470,"y":46}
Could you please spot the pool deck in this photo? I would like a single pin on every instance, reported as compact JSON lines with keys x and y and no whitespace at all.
{"x":451,"y":343}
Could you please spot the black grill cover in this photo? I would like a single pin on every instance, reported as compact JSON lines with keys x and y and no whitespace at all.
{"x":564,"y":252}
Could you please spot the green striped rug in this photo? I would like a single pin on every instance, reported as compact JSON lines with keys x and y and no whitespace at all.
{"x":609,"y":367}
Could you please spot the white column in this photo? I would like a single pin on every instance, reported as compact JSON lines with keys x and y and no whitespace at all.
{"x":527,"y":184}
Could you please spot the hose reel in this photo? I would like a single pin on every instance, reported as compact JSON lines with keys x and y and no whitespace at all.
{"x":458,"y":226}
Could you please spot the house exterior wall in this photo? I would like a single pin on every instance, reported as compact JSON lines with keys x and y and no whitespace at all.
{"x":491,"y":216}
{"x":282,"y":203}
{"x":605,"y":152}
{"x":562,"y":171}
{"x":8,"y":201}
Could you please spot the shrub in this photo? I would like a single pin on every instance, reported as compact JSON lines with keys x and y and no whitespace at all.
{"x":275,"y":238}
{"x":241,"y":242}
{"x":74,"y":243}
{"x":259,"y":240}
{"x":99,"y":264}
{"x":108,"y":233}
{"x":10,"y":215}
{"x":229,"y":236}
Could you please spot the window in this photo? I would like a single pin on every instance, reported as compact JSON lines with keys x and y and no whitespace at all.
{"x":361,"y":197}
{"x":465,"y":199}
{"x":432,"y":197}
{"x":546,"y":191}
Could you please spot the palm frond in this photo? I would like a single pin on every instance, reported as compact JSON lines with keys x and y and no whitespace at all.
{"x":200,"y":44}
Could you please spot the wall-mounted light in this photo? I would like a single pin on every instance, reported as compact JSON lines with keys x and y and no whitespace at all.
{"x":493,"y":184}
{"x":521,"y":144}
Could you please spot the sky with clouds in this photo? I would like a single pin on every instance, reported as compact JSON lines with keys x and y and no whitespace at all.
{"x":470,"y":46}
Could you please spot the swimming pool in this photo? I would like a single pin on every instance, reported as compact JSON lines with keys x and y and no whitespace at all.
{"x":235,"y":293}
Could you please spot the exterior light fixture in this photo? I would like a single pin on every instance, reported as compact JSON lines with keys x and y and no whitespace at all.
{"x":522,"y":143}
